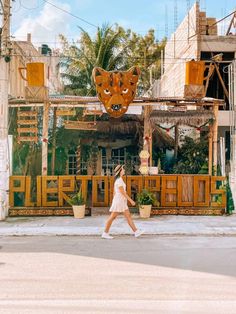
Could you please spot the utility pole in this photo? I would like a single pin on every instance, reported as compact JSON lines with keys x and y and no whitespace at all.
{"x":4,"y":82}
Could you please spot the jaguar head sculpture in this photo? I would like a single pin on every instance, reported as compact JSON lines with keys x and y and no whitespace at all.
{"x":116,"y":89}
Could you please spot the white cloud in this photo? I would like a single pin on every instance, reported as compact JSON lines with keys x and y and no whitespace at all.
{"x":45,"y":26}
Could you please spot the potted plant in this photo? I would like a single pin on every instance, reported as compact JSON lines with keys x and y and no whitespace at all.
{"x":78,"y":204}
{"x":145,"y":200}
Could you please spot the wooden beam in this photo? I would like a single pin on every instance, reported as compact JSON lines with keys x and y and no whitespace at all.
{"x":215,"y":139}
{"x":210,"y":151}
{"x":207,"y":79}
{"x":81,"y":125}
{"x":65,"y":112}
{"x":45,"y":139}
{"x":27,"y":113}
{"x":27,"y":122}
{"x":27,"y":130}
{"x":27,"y":139}
{"x":148,"y":132}
{"x":93,"y":112}
{"x":221,"y":81}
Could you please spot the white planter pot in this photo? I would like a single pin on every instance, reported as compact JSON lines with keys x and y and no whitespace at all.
{"x":79,"y":211}
{"x":145,"y":211}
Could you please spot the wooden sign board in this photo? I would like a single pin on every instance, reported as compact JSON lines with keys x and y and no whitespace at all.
{"x":81,"y":125}
{"x":65,"y":112}
{"x":92,"y":112}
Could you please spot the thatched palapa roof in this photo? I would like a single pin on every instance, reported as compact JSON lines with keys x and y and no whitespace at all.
{"x":189,"y":117}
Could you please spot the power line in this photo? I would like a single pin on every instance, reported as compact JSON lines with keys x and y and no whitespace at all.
{"x":67,"y":12}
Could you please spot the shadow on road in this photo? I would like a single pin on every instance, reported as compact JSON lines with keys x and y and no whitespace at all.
{"x":205,"y":254}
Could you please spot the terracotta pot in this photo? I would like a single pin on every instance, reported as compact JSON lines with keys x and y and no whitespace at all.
{"x":79,"y":211}
{"x":145,"y":211}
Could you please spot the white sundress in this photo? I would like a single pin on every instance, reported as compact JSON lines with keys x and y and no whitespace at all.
{"x":119,"y":202}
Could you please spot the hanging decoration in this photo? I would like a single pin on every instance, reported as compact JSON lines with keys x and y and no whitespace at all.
{"x":27,"y":122}
{"x":116,"y":89}
{"x":197,"y":127}
{"x":144,"y":156}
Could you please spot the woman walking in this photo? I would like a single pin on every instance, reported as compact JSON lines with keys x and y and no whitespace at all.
{"x":119,"y":204}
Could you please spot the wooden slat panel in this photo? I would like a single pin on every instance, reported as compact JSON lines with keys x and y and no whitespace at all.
{"x":28,"y":202}
{"x":13,"y":188}
{"x":184,"y":187}
{"x":95,"y":201}
{"x":136,"y":179}
{"x":84,"y":184}
{"x":215,"y":191}
{"x":39,"y":190}
{"x":46,"y":190}
{"x":168,"y":191}
{"x":62,"y":188}
{"x":149,"y":180}
{"x":198,"y":179}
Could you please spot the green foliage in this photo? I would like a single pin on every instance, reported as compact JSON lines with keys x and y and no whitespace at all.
{"x":192,"y":156}
{"x":204,"y":169}
{"x":146,"y":198}
{"x":76,"y":199}
{"x":112,"y":48}
{"x":229,"y":197}
{"x":106,"y":50}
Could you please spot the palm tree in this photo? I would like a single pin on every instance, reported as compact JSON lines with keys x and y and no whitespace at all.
{"x":107,"y":50}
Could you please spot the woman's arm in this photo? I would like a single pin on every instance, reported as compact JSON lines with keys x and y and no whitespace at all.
{"x":123,"y":192}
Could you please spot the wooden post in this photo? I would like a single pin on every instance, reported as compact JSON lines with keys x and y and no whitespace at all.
{"x":221,"y":81}
{"x":45,"y":139}
{"x":215,"y":137}
{"x":148,"y":131}
{"x":78,"y":158}
{"x":54,"y":140}
{"x":210,"y":151}
{"x":4,"y":83}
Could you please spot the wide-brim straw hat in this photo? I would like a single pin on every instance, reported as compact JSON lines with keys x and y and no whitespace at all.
{"x":118,"y":169}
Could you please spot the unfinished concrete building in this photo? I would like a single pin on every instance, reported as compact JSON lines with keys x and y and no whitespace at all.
{"x":197,"y":38}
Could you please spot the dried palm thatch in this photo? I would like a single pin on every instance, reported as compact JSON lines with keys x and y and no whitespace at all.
{"x":132,"y":127}
{"x":161,"y":139}
{"x":190,"y":117}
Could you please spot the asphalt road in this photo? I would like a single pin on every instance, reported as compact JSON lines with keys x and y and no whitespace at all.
{"x":71,"y":274}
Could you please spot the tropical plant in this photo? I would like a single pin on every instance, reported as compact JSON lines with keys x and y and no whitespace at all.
{"x":76,"y":199}
{"x":145,"y":52}
{"x":145,"y":197}
{"x":106,"y":50}
{"x":229,"y":199}
{"x":113,"y":48}
{"x":192,"y":156}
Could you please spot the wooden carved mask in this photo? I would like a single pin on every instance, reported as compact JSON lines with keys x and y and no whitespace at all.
{"x":116,"y":90}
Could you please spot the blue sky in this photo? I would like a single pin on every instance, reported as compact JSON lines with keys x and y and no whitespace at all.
{"x":45,"y":22}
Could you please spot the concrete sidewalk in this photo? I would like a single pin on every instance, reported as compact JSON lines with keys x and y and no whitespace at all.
{"x":157,"y":225}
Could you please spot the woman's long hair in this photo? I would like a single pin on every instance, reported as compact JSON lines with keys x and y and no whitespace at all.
{"x":117,"y":176}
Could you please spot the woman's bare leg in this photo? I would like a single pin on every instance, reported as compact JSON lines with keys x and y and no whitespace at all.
{"x":110,"y":221}
{"x":130,"y":220}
